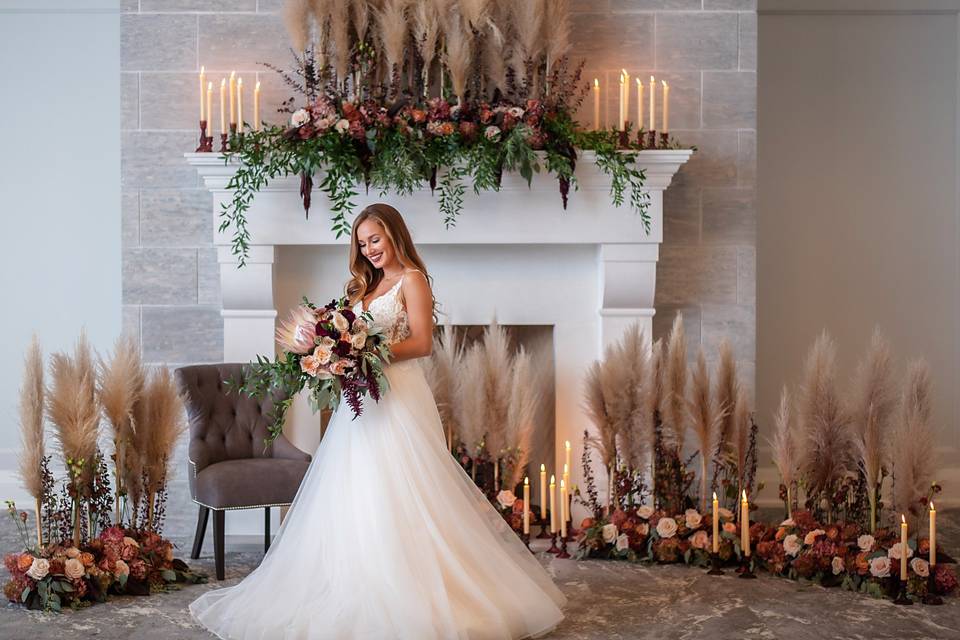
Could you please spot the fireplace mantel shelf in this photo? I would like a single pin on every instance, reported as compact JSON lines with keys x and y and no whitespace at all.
{"x":507,"y":271}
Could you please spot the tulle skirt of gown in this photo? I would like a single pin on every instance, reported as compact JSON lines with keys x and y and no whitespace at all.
{"x":388,"y":537}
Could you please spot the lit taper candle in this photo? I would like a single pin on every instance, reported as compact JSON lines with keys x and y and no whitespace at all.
{"x":543,"y":493}
{"x":933,"y":535}
{"x":204,"y":113}
{"x":256,"y":107}
{"x":666,"y":107}
{"x":716,"y":523}
{"x":240,"y":103}
{"x":553,"y":504}
{"x":653,"y":91}
{"x":223,"y":105}
{"x":903,"y":547}
{"x":526,"y":505}
{"x":745,"y":525}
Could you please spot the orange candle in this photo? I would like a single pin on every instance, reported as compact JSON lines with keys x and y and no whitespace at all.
{"x":716,"y":523}
{"x":745,"y":525}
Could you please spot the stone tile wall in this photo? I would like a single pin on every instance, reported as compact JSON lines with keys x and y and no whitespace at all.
{"x":706,"y":50}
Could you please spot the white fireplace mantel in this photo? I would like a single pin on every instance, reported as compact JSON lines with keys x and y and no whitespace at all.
{"x":585,"y":318}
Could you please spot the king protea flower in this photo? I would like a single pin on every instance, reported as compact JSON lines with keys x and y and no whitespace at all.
{"x":299,"y":333}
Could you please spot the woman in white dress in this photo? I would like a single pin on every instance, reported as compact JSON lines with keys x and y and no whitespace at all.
{"x":387,"y":536}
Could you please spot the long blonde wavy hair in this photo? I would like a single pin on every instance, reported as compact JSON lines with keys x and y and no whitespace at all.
{"x":365,"y":277}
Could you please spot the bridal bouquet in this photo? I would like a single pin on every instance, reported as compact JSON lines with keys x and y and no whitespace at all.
{"x":328,"y":350}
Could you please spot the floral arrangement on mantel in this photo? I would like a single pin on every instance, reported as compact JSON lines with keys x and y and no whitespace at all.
{"x":834,"y":449}
{"x":90,"y":538}
{"x":440,"y":92}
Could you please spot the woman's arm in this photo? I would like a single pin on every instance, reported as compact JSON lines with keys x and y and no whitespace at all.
{"x":419,"y":305}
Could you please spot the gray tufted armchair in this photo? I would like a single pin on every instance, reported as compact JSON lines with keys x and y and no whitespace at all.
{"x":228,"y":467}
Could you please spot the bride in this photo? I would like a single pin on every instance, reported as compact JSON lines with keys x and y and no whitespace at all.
{"x":387,"y":536}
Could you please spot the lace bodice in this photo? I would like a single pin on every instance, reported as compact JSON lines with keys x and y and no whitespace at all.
{"x":388,"y":313}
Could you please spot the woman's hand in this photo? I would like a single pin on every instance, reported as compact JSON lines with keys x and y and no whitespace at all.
{"x":419,"y":305}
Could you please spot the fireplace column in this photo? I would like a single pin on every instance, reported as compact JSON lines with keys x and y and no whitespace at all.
{"x":249,"y":313}
{"x":628,"y":278}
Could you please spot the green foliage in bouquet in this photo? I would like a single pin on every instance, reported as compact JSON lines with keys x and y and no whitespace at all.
{"x":330,"y":351}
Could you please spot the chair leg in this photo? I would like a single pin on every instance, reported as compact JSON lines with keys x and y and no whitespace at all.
{"x":202,"y":518}
{"x":218,"y":541}
{"x":266,"y":529}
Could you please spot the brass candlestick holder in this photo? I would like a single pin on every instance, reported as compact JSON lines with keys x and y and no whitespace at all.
{"x":715,"y":569}
{"x":651,"y":139}
{"x":223,"y":143}
{"x":563,"y":547}
{"x":746,"y":570}
{"x":931,"y":596}
{"x":902,"y":597}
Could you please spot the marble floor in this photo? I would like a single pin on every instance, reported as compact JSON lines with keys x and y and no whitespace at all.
{"x":607,"y":601}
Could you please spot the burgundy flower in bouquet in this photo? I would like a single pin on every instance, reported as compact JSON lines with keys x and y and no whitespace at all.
{"x":328,"y":350}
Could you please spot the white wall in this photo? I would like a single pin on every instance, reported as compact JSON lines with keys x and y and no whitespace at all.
{"x":858,"y":219}
{"x":59,"y":187}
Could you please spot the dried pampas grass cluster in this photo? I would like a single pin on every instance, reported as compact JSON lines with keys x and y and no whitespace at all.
{"x":826,"y":426}
{"x":121,"y":385}
{"x":914,"y":455}
{"x":163,"y":426}
{"x":463,"y":39}
{"x":673,"y":407}
{"x":785,"y":447}
{"x":706,"y":416}
{"x":32,"y":434}
{"x":441,"y":373}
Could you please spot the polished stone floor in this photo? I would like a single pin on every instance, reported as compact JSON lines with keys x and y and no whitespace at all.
{"x":607,"y":601}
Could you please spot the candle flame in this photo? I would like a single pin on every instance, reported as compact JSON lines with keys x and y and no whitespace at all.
{"x":565,"y":469}
{"x":562,"y":484}
{"x":744,"y":498}
{"x":639,"y":82}
{"x":223,"y":82}
{"x":526,"y":480}
{"x":931,"y":506}
{"x":543,"y":467}
{"x":240,"y":82}
{"x":201,"y":69}
{"x":258,"y":86}
{"x":233,"y":74}
{"x":903,"y":519}
{"x":651,"y":79}
{"x":567,"y":444}
{"x":664,"y":82}
{"x":596,"y":83}
{"x":210,"y":86}
{"x":553,"y":479}
{"x":714,"y":495}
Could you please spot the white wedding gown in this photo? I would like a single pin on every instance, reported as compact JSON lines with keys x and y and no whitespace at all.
{"x":388,"y":537}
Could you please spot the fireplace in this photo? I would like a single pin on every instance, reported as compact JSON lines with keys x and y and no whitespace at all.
{"x":587,"y":272}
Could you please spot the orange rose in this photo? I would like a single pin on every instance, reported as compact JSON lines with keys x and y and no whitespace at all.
{"x":87,"y":559}
{"x":24,"y":561}
{"x":587,"y":523}
{"x":781,"y":534}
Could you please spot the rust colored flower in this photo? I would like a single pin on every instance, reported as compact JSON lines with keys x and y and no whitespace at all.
{"x":11,"y":562}
{"x":862,"y":564}
{"x":24,"y":561}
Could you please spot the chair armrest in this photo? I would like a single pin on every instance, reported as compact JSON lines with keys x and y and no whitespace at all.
{"x":284,"y":449}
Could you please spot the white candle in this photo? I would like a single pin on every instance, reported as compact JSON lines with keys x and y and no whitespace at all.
{"x":543,"y":493}
{"x":653,"y":91}
{"x":903,"y":547}
{"x":223,"y":105}
{"x":620,"y":118}
{"x":716,"y":523}
{"x":569,"y":464}
{"x":553,"y":505}
{"x":566,"y":473}
{"x":203,"y":87}
{"x":256,"y":107}
{"x":639,"y":103}
{"x":563,"y":509}
{"x":626,"y":97}
{"x":233,"y":97}
{"x":666,"y":107}
{"x":745,"y":525}
{"x":596,"y":104}
{"x":209,"y":103}
{"x":240,"y":103}
{"x":526,"y":505}
{"x":933,"y":536}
